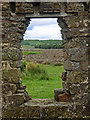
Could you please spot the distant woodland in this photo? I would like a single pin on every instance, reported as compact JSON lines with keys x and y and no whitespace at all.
{"x":44,"y":44}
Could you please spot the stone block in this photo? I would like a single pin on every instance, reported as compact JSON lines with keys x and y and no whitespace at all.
{"x":49,"y":8}
{"x":27,"y":96}
{"x":75,"y":7}
{"x":84,"y":88}
{"x":65,"y":55}
{"x":5,"y":65}
{"x":77,"y":54}
{"x":77,"y":77}
{"x":5,"y":6}
{"x":11,"y":54}
{"x":15,"y":36}
{"x":12,"y":112}
{"x":5,"y":13}
{"x":18,"y":19}
{"x":15,"y":99}
{"x":64,"y":76}
{"x":6,"y":45}
{"x":84,"y":65}
{"x":24,"y":8}
{"x":77,"y":32}
{"x":30,"y":111}
{"x":16,"y":64}
{"x":20,"y":91}
{"x":56,"y":93}
{"x":68,"y":65}
{"x":78,"y":22}
{"x":11,"y":76}
{"x":17,"y":44}
{"x":22,"y":87}
{"x":78,"y":42}
{"x":65,"y":85}
{"x":74,"y":89}
{"x":64,"y":97}
{"x":6,"y":88}
{"x":55,"y":111}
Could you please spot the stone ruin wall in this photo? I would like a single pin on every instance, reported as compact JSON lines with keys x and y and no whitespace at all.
{"x":73,"y":18}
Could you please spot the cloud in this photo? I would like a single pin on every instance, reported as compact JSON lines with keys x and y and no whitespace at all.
{"x":43,"y":29}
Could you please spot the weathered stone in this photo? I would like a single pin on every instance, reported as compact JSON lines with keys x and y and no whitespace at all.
{"x":77,"y":77}
{"x":78,"y":42}
{"x":84,"y":65}
{"x":5,"y":65}
{"x":11,"y":54}
{"x":30,"y":111}
{"x":14,"y":111}
{"x":64,"y":84}
{"x":27,"y":96}
{"x":77,"y":22}
{"x":15,"y":64}
{"x":5,"y":6}
{"x":8,"y":87}
{"x":64,"y":97}
{"x":11,"y":76}
{"x":73,"y":18}
{"x":49,"y":8}
{"x":75,"y":7}
{"x":15,"y":37}
{"x":56,"y":93}
{"x":64,"y":76}
{"x":5,"y":45}
{"x":52,"y":111}
{"x":15,"y":99}
{"x":5,"y":14}
{"x":17,"y":19}
{"x":65,"y":55}
{"x":75,"y":89}
{"x":77,"y":54}
{"x":24,"y":8}
{"x":76,"y":32}
{"x":68,"y":65}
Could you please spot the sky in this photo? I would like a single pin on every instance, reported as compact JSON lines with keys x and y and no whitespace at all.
{"x":43,"y":29}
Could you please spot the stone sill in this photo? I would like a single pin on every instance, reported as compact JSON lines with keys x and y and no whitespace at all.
{"x":45,"y":102}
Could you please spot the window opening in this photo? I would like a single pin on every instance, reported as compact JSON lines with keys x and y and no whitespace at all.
{"x":42,"y":58}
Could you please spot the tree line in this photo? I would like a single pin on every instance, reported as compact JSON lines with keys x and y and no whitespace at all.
{"x":44,"y":44}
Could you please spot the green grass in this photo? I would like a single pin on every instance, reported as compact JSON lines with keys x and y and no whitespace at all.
{"x":42,"y":84}
{"x":31,"y":52}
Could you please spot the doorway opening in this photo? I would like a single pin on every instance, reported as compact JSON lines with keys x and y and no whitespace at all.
{"x":42,"y":58}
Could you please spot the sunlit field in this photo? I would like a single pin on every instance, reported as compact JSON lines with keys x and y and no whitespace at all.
{"x":41,"y":80}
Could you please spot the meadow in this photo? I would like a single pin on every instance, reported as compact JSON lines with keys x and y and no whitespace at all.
{"x":42,"y":67}
{"x":41,"y":79}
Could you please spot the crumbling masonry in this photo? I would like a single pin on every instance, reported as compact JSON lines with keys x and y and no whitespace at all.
{"x":74,"y":20}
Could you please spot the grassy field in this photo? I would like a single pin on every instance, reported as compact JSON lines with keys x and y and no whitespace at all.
{"x":41,"y":80}
{"x":31,"y":52}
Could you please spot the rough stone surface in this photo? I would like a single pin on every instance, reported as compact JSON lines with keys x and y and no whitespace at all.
{"x":64,"y":97}
{"x":74,"y":19}
{"x":64,"y":76}
{"x":57,"y":92}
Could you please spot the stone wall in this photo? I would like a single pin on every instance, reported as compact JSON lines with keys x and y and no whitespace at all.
{"x":73,"y":18}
